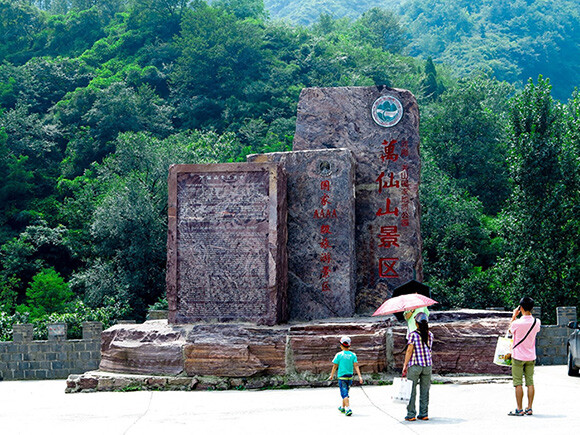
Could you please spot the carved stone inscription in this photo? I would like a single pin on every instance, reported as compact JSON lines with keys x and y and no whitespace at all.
{"x":380,"y":126}
{"x":220,"y":267}
{"x":321,"y":254}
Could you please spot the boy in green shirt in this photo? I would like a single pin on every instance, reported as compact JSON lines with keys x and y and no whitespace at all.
{"x":346,"y":363}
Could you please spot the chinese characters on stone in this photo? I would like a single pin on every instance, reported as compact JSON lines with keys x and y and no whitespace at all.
{"x":325,"y":212}
{"x":392,"y":185}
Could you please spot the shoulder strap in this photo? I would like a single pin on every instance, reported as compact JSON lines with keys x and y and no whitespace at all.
{"x":526,"y":336}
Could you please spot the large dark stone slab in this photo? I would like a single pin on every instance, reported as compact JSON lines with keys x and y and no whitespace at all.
{"x":226,"y":243}
{"x":321,"y":250}
{"x":380,"y":125}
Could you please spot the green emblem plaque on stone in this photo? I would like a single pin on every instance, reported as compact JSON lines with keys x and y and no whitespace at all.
{"x":387,"y":111}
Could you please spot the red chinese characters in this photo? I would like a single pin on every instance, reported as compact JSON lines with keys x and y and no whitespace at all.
{"x":387,"y":268}
{"x":389,"y":237}
{"x":405,"y":196}
{"x":389,"y":151}
{"x":393,"y":189}
{"x":388,"y":210}
{"x":326,"y":233}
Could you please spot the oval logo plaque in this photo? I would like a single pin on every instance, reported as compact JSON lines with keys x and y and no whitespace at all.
{"x":387,"y":111}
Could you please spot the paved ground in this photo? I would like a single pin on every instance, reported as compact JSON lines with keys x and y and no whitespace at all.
{"x":41,"y":407}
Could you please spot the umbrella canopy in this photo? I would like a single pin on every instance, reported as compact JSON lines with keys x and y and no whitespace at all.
{"x":412,"y":286}
{"x":403,"y":303}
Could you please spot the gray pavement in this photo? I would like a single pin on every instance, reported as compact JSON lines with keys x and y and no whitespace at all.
{"x":42,"y":407}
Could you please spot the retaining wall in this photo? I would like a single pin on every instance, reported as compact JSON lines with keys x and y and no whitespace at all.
{"x":551,"y":342}
{"x":55,"y":358}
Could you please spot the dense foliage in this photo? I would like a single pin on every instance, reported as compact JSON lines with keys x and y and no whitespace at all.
{"x":512,"y":40}
{"x":98,"y":98}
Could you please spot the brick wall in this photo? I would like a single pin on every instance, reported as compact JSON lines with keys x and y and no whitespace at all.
{"x":55,"y":358}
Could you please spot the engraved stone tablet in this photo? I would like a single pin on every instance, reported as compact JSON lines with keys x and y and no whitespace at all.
{"x":226,"y":256}
{"x":380,"y":126}
{"x":321,"y":251}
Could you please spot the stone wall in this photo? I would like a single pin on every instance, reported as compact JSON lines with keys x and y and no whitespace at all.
{"x":55,"y":358}
{"x":551,"y":342}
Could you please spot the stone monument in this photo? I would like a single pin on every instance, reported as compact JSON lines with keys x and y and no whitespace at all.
{"x":380,"y":125}
{"x":321,"y":251}
{"x":226,"y":243}
{"x":352,"y":229}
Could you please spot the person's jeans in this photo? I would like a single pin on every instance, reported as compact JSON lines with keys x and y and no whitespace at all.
{"x":422,"y":376}
{"x":344,"y":386}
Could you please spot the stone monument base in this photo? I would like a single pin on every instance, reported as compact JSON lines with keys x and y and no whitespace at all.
{"x":216,"y":355}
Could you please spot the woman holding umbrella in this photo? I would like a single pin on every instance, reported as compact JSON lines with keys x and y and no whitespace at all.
{"x":418,"y":359}
{"x":417,"y":367}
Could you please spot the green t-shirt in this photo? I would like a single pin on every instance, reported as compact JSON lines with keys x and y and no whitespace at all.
{"x":345,"y":361}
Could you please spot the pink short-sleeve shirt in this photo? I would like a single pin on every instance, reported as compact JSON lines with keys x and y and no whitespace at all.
{"x":526,"y":351}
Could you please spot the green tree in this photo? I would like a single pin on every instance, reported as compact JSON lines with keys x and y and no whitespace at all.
{"x":540,"y":229}
{"x":381,"y":29}
{"x":19,"y":25}
{"x":243,"y":8}
{"x":465,"y":134}
{"x":8,"y":293}
{"x":219,"y":75}
{"x":432,"y":87}
{"x":457,"y":244}
{"x":47,"y":293}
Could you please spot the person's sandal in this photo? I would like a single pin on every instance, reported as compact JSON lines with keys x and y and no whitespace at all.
{"x":528,"y":411}
{"x":517,"y":412}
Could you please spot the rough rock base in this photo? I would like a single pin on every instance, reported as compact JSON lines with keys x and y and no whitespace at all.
{"x":157,"y":355}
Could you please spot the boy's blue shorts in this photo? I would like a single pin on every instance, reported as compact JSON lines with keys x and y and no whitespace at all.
{"x":344,"y":386}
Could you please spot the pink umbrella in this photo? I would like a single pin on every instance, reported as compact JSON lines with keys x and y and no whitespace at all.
{"x":404,"y":303}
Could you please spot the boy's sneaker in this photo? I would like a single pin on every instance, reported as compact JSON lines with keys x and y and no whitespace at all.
{"x":341,"y":409}
{"x":348,"y":413}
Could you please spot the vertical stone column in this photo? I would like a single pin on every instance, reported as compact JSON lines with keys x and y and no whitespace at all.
{"x":565,"y":315}
{"x":23,"y":333}
{"x":321,"y":247}
{"x":380,"y":125}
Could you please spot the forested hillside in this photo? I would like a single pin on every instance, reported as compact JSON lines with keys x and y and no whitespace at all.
{"x":512,"y":40}
{"x":308,"y":11}
{"x":98,"y":98}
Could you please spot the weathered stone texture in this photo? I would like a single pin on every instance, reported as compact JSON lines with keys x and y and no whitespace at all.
{"x":388,"y":239}
{"x":150,"y":348}
{"x":235,"y":351}
{"x":312,"y":347}
{"x":226,"y":243}
{"x":321,"y":250}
